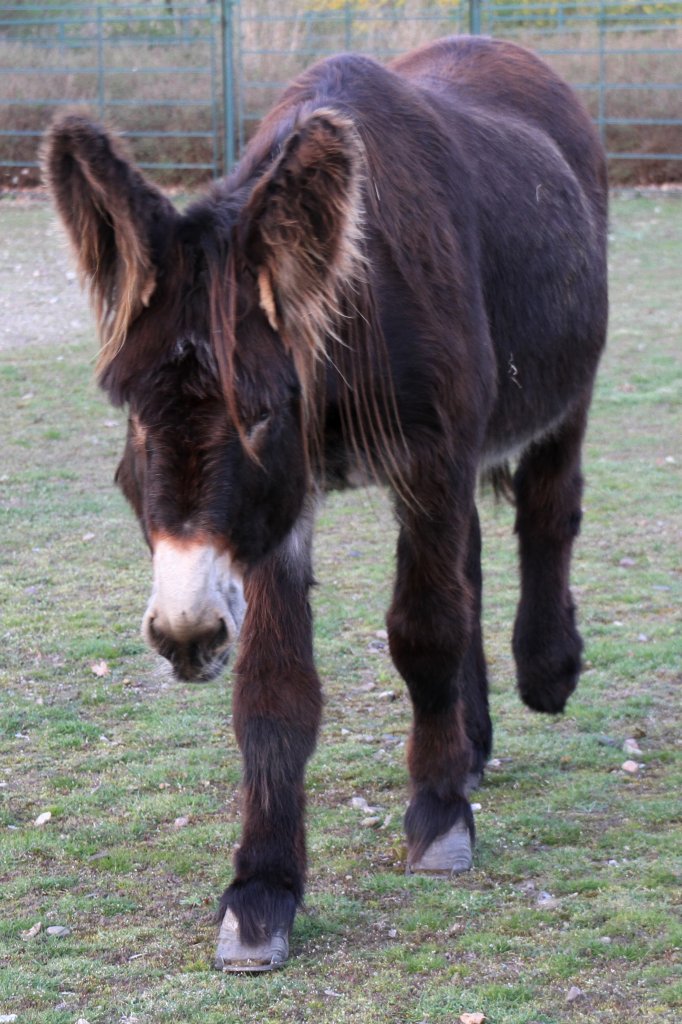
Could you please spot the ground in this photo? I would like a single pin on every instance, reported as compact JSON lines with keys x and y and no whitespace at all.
{"x":576,"y":878}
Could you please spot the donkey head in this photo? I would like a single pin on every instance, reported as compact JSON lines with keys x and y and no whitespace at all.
{"x":212,"y":324}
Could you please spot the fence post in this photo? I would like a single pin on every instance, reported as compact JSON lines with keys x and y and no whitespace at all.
{"x":348,"y":27}
{"x":101,"y":99}
{"x":601,"y":115}
{"x":475,"y":17}
{"x":228,"y":76}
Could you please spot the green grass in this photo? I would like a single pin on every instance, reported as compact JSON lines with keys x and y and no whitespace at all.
{"x":117,"y":759}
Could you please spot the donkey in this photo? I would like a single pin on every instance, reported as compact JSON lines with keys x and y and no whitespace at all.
{"x":402,"y":281}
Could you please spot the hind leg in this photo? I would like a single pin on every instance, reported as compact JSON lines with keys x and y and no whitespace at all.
{"x":435,"y":643}
{"x":474,"y":673}
{"x":547,"y":645}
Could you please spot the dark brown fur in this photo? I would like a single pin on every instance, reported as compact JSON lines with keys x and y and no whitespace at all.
{"x":404,"y":278}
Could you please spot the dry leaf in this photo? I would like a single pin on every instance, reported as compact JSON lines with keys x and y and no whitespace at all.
{"x":100,"y":669}
{"x":472,"y":1018}
{"x":32,"y":932}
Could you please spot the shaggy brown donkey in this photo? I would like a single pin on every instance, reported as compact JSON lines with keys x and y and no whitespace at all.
{"x":403,"y":280}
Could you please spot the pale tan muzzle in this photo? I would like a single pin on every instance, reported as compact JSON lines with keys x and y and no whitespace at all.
{"x":196,"y":607}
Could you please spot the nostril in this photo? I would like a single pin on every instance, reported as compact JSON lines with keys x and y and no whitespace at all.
{"x":222,"y":633}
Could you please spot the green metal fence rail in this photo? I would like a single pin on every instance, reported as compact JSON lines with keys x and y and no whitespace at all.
{"x":188,"y":81}
{"x":152,"y":69}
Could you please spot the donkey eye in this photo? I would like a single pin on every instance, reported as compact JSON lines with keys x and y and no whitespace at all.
{"x":259,"y":419}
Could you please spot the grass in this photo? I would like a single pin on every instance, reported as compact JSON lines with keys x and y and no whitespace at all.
{"x":118,"y":759}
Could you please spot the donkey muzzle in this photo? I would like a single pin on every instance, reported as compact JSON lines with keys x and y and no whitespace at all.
{"x":196,"y":607}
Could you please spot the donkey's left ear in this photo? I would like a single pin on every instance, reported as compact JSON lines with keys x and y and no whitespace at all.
{"x":301,"y":229}
{"x":110,"y":212}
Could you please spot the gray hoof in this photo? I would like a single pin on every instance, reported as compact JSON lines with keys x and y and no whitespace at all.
{"x":233,"y":955}
{"x":449,"y":854}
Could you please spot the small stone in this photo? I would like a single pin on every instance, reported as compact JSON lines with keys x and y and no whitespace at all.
{"x":370,"y":822}
{"x":546,"y":901}
{"x":388,"y":695}
{"x":472,"y":1018}
{"x":631,"y":767}
{"x":392,"y":933}
{"x":606,"y":940}
{"x":494,"y":763}
{"x":607,"y":741}
{"x":7,"y":1018}
{"x":381,"y":634}
{"x":181,"y":822}
{"x":574,"y":993}
{"x":358,"y":803}
{"x":33,"y":931}
{"x":627,"y":563}
{"x":476,"y":807}
{"x":58,"y":931}
{"x":43,"y":818}
{"x":631,"y":746}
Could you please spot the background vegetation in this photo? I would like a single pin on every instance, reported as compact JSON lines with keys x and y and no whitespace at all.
{"x":572,"y":910}
{"x":154,"y":69}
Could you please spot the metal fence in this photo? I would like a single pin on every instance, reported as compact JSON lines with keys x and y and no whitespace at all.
{"x":187,"y":81}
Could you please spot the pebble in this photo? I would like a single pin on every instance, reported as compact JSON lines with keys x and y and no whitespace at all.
{"x":631,"y":767}
{"x":43,"y":818}
{"x":181,"y":822}
{"x":631,"y":746}
{"x":370,"y":822}
{"x":574,"y":993}
{"x":358,"y":803}
{"x":58,"y":930}
{"x":546,"y":901}
{"x":7,"y":1018}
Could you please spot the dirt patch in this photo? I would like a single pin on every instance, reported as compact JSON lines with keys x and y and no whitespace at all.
{"x":41,"y":301}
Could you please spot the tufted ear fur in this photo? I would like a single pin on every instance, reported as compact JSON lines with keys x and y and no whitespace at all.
{"x":110,"y":212}
{"x":301,"y":231}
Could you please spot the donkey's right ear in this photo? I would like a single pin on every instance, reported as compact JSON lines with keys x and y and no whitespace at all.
{"x":110,"y":212}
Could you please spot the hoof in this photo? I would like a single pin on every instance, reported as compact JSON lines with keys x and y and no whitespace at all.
{"x":448,"y":855}
{"x":233,"y":955}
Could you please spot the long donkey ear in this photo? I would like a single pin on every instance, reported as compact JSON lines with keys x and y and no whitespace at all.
{"x":110,"y":211}
{"x":301,"y":230}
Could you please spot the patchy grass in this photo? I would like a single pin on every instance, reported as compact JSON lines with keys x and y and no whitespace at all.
{"x":118,"y":759}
